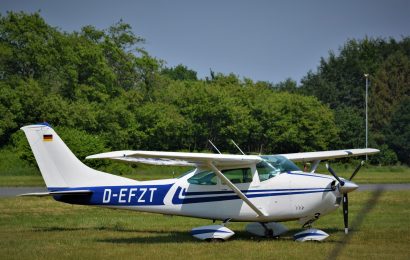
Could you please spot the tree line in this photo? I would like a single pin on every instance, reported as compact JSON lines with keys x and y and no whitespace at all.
{"x":104,"y":91}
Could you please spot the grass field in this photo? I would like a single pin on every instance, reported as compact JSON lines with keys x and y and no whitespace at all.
{"x":42,"y":228}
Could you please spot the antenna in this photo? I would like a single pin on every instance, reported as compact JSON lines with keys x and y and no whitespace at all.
{"x":237,"y":147}
{"x":214,"y":146}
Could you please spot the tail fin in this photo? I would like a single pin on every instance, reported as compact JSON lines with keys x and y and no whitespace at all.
{"x":59,"y":166}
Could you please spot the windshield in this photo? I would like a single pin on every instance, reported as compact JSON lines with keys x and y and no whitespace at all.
{"x":273,"y":165}
{"x":280,"y":163}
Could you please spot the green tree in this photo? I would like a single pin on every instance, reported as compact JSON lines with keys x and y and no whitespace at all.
{"x":148,"y":69}
{"x":291,"y":123}
{"x":163,"y":126}
{"x":339,"y":79}
{"x":351,"y":125}
{"x":180,"y":72}
{"x":287,"y":85}
{"x":27,"y":45}
{"x":118,"y":123}
{"x":10,"y":111}
{"x":340,"y":83}
{"x":399,"y":131}
{"x":389,"y":86}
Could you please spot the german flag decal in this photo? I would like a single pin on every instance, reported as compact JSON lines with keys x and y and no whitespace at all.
{"x":47,"y":138}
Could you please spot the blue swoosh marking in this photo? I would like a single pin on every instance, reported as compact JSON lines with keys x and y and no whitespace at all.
{"x":177,"y":200}
{"x":193,"y":193}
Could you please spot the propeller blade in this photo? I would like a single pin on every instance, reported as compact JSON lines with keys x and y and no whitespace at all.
{"x":346,"y":212}
{"x":334,"y":174}
{"x":357,"y":169}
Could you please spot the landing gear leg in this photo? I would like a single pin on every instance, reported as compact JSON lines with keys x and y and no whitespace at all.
{"x":309,"y":223}
{"x":226,"y":221}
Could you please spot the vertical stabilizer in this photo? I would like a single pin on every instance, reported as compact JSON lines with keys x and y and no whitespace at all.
{"x":59,"y":166}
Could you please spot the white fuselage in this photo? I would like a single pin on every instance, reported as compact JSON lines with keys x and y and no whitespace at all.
{"x":287,"y":196}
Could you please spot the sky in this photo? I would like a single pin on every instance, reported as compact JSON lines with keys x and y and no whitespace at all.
{"x":262,"y":40}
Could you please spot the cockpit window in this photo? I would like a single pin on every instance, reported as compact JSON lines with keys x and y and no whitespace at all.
{"x":274,"y":165}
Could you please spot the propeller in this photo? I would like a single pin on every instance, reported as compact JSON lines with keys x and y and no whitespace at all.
{"x":346,"y":187}
{"x":356,"y":170}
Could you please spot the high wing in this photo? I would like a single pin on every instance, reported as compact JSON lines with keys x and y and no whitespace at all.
{"x":325,"y":155}
{"x":179,"y":158}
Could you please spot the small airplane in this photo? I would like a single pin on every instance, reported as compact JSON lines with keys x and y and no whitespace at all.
{"x":261,"y":189}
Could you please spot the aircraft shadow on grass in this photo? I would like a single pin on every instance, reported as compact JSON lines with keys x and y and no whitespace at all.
{"x":183,"y":236}
{"x":166,"y":236}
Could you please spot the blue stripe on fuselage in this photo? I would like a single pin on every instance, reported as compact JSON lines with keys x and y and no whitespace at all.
{"x":310,"y":175}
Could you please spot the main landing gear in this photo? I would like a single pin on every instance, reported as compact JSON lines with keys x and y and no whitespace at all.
{"x":213,"y":233}
{"x":268,"y":229}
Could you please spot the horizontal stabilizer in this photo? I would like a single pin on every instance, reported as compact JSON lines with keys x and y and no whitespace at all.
{"x":56,"y":193}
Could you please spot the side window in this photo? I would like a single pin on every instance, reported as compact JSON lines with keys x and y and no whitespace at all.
{"x":242,"y":175}
{"x":203,"y":178}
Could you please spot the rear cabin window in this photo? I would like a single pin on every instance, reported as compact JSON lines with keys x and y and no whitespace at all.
{"x":242,"y":175}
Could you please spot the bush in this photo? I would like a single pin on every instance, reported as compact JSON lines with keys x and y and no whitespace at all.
{"x":386,"y":156}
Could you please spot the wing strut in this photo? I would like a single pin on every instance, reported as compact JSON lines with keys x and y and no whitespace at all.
{"x":314,"y":166}
{"x":236,"y":190}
